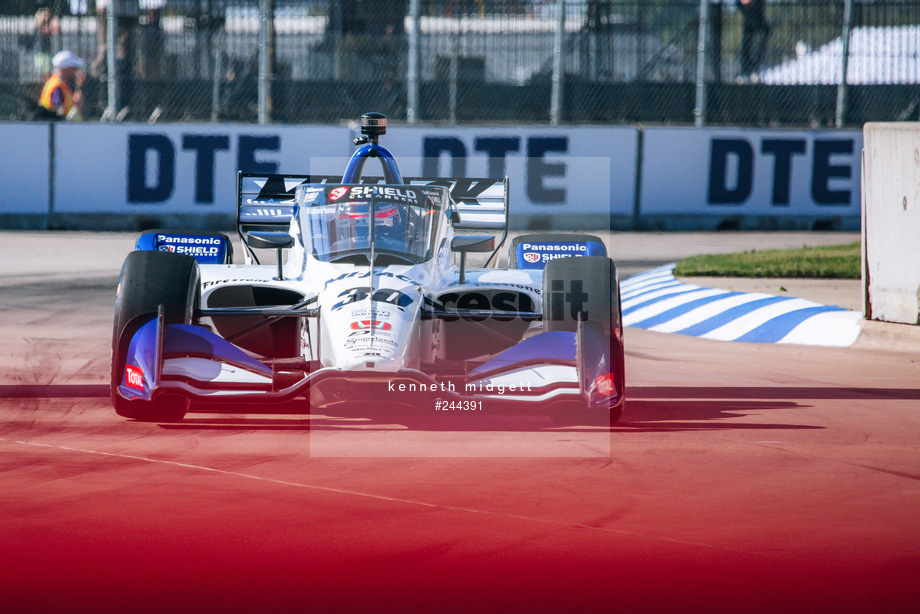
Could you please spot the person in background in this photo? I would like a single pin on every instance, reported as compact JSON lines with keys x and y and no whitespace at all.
{"x":58,"y":95}
{"x":99,"y":67}
{"x":47,"y":26}
{"x":754,"y":34}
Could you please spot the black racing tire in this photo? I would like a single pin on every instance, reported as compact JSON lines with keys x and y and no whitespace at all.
{"x":589,"y":286}
{"x":545,"y":237}
{"x":150,"y":279}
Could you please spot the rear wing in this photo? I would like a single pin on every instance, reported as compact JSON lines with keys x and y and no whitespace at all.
{"x":266,"y":202}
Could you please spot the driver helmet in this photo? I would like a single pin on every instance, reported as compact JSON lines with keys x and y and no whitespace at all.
{"x":353,"y":220}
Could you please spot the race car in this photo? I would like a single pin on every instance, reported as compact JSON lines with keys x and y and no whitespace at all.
{"x":370,"y":297}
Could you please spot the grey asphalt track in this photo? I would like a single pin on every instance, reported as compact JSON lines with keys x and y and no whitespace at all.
{"x":743,"y":477}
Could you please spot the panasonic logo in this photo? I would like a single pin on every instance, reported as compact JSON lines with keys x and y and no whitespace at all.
{"x":555,"y":248}
{"x":190,"y":240}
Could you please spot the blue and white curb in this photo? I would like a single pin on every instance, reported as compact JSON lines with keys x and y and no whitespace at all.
{"x":657,"y":301}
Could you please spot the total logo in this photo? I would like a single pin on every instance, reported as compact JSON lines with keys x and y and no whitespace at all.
{"x":134,"y":377}
{"x":371,"y":325}
{"x":604,"y":384}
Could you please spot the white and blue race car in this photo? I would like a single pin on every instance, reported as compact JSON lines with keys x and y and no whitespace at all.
{"x":365,"y":301}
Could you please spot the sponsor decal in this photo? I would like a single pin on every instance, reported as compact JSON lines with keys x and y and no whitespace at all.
{"x":198,"y":247}
{"x":384,"y":295}
{"x":189,"y":240}
{"x":371,"y":324}
{"x":555,"y":247}
{"x":310,"y":194}
{"x":503,"y":285}
{"x":434,"y":198}
{"x":257,"y":213}
{"x":389,"y":193}
{"x":604,"y":384}
{"x":191,"y":250}
{"x":498,"y":303}
{"x":134,"y":377}
{"x":337,"y":193}
{"x":360,"y":274}
{"x":375,"y":333}
{"x":541,"y":253}
{"x":208,"y":284}
{"x":377,"y":313}
{"x":548,"y":257}
{"x":366,"y":341}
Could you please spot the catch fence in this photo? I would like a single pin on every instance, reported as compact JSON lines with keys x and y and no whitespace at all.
{"x":756,"y":63}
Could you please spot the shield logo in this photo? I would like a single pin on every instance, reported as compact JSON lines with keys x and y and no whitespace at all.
{"x":531,"y":257}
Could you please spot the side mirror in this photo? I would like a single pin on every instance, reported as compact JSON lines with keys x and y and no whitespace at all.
{"x":472,"y":243}
{"x":465,"y":244}
{"x":271,"y":240}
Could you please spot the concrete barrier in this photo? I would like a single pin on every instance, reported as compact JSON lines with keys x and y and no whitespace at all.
{"x":96,"y":176}
{"x":891,"y":222}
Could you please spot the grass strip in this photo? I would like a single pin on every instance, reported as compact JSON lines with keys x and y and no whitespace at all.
{"x":825,"y":262}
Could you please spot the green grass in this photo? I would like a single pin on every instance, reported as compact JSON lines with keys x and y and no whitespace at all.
{"x":829,"y":262}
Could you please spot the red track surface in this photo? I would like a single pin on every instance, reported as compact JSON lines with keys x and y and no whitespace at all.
{"x":742,"y":478}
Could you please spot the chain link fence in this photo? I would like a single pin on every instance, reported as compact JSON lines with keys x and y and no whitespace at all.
{"x":734,"y":62}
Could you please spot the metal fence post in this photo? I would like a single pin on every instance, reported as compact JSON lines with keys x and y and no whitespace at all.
{"x":215,"y":82}
{"x":454,"y":73}
{"x":555,"y":105}
{"x":840,"y":115}
{"x":111,"y":109}
{"x":412,"y":84}
{"x":266,"y":51}
{"x":699,"y":112}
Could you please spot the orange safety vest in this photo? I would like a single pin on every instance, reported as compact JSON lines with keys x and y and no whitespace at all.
{"x":52,"y":84}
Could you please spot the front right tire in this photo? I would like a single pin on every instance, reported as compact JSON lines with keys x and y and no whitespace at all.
{"x":586,"y":287}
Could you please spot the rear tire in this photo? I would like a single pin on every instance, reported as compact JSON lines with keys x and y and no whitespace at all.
{"x":150,"y":279}
{"x":586,"y":285}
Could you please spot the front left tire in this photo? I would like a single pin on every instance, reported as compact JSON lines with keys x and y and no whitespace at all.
{"x":150,"y":279}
